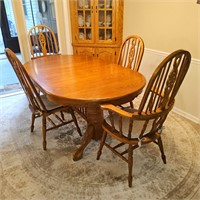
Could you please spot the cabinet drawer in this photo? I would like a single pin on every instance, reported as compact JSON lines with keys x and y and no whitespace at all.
{"x":108,"y":54}
{"x":104,"y":53}
{"x":90,"y":51}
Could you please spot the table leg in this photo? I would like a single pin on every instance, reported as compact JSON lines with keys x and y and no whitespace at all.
{"x":86,"y":140}
{"x":94,"y":129}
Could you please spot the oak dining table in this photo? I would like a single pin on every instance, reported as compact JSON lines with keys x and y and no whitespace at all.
{"x":85,"y":83}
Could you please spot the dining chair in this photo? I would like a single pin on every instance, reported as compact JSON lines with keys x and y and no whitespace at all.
{"x":131,"y":53}
{"x":42,"y":41}
{"x":130,"y":130}
{"x":52,"y":114}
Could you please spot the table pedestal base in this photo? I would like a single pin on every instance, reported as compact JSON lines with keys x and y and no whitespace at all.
{"x":94,"y":129}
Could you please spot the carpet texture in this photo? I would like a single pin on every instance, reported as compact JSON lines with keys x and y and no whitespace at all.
{"x":29,"y":173}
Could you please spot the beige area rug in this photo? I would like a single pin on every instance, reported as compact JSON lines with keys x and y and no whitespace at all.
{"x":29,"y":173}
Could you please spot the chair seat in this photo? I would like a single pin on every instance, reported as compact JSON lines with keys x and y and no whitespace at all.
{"x":49,"y":104}
{"x":136,"y":136}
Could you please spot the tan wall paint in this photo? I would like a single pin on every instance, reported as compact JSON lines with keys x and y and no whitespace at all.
{"x":198,"y":25}
{"x":164,"y":25}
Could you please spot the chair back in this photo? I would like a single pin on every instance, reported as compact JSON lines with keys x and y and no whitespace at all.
{"x":42,"y":41}
{"x":165,"y":82}
{"x":157,"y":101}
{"x":131,"y":52}
{"x":159,"y":96}
{"x":35,"y":101}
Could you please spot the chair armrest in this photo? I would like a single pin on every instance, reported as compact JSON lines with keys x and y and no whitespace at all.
{"x":117,"y":110}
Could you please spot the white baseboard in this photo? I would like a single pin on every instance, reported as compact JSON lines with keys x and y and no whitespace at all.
{"x":155,"y":52}
{"x":186,"y":115}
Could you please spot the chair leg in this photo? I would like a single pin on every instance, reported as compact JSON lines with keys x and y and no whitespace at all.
{"x":103,"y":139}
{"x":62,"y":115}
{"x":131,"y":104}
{"x":76,"y":123}
{"x":130,"y":165}
{"x":44,"y":132}
{"x":32,"y":121}
{"x":160,"y":144}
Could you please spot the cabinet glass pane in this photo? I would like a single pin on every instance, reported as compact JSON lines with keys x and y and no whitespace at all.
{"x":101,"y":34}
{"x":87,"y":4}
{"x":108,"y":3}
{"x":88,"y":34}
{"x":108,"y":18}
{"x":104,"y":4}
{"x":80,"y":18}
{"x":81,"y":35}
{"x":101,"y":4}
{"x":88,"y":18}
{"x":84,"y":19}
{"x":101,"y":18}
{"x":108,"y":34}
{"x":84,"y":4}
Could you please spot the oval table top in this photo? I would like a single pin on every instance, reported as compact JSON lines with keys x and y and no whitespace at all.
{"x":74,"y":79}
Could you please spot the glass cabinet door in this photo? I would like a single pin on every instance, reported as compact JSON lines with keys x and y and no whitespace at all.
{"x":95,"y":21}
{"x":105,"y":16}
{"x":85,"y":20}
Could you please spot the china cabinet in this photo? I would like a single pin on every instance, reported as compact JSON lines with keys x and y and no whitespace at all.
{"x":97,"y":27}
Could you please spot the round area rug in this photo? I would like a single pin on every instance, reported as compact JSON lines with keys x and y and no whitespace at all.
{"x":29,"y":173}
